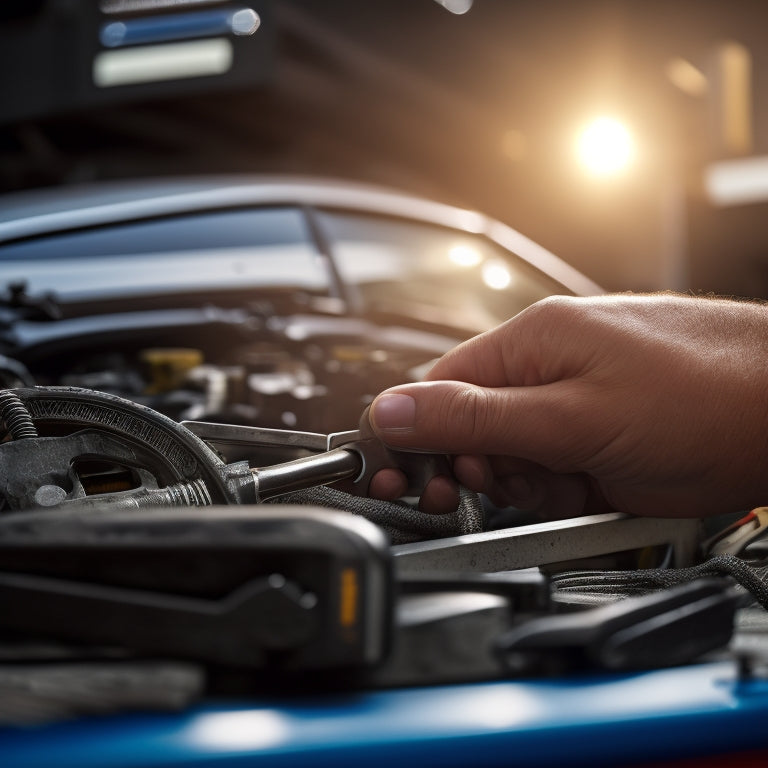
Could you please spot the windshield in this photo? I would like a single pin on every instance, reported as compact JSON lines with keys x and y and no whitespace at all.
{"x":221,"y":250}
{"x":431,"y":274}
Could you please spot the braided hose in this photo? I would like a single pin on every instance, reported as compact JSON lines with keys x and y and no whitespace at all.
{"x":15,"y":416}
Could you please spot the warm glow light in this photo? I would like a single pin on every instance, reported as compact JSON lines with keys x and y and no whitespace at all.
{"x":735,"y":109}
{"x":496,"y":275}
{"x":740,"y":181}
{"x":605,"y":147}
{"x":686,"y":77}
{"x":464,"y":256}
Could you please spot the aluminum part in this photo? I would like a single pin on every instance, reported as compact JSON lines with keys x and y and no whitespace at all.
{"x":544,"y":543}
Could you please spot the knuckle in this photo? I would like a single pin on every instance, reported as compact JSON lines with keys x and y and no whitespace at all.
{"x":546,"y":319}
{"x":553,"y":307}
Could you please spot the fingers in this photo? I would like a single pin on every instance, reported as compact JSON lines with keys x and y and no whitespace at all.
{"x":474,"y":473}
{"x":548,"y":495}
{"x":527,"y":487}
{"x":459,"y":418}
{"x":505,"y":481}
{"x":388,"y":485}
{"x":441,"y":496}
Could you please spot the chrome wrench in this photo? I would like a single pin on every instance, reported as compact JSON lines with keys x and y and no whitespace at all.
{"x":355,"y":456}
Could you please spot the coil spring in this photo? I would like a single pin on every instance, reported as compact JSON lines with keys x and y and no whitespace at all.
{"x":191,"y":494}
{"x":15,"y":416}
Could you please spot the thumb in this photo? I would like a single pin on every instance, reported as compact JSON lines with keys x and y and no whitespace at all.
{"x":460,"y":418}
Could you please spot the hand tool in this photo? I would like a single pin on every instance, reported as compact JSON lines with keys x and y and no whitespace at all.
{"x":317,"y":459}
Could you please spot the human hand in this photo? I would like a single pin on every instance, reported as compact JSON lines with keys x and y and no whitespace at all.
{"x":653,"y":405}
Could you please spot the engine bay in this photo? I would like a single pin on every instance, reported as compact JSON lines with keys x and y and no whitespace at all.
{"x":240,"y":365}
{"x":184,"y":468}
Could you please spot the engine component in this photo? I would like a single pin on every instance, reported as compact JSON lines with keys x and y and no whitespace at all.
{"x":667,"y":628}
{"x":97,"y":450}
{"x":268,"y":588}
{"x":91,"y":444}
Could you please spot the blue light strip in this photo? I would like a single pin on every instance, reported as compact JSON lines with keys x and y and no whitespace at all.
{"x":159,"y":29}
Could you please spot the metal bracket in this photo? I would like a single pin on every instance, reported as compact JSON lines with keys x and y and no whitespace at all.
{"x":543,"y":543}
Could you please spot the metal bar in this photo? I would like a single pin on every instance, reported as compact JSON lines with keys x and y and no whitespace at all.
{"x":543,"y":543}
{"x":258,"y":444}
{"x":321,"y":469}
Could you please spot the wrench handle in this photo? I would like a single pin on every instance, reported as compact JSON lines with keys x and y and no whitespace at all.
{"x":320,"y":469}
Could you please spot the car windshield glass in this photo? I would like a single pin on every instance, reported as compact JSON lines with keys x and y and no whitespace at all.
{"x":219,"y":251}
{"x":431,"y":274}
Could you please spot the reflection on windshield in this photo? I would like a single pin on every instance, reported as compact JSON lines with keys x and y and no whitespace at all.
{"x":152,"y":273}
{"x":430,"y":274}
{"x":222,"y":250}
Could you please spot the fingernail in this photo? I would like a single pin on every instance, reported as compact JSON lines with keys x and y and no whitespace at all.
{"x":394,"y":412}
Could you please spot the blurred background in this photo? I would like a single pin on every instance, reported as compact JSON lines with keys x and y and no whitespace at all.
{"x":629,"y":137}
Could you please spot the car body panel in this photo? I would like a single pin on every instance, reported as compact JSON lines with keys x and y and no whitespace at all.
{"x":700,"y":711}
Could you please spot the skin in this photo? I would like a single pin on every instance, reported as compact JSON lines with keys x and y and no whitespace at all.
{"x":653,"y":405}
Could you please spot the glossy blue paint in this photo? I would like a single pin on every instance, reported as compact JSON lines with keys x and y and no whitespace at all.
{"x":663,"y":714}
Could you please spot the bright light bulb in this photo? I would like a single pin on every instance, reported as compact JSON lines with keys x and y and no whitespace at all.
{"x":464,"y":256}
{"x":496,"y":275}
{"x":605,"y":147}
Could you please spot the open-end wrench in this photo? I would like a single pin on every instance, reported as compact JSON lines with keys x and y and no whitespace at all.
{"x":354,"y":456}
